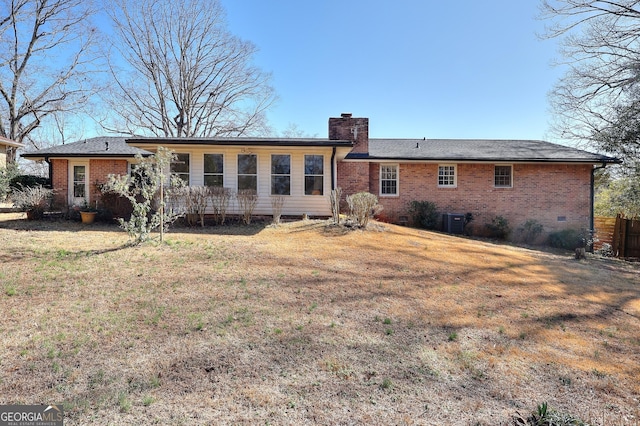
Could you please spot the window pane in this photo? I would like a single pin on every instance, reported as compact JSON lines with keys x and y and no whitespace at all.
{"x":78,"y":190}
{"x":389,"y":180}
{"x":389,"y":187}
{"x":502,"y":176}
{"x":313,"y":164}
{"x":446,"y":175}
{"x":78,"y":173}
{"x":280,"y":164}
{"x":213,"y":163}
{"x":280,"y":185}
{"x":247,"y":182}
{"x":213,"y":180}
{"x":247,"y":164}
{"x":79,"y":181}
{"x":181,"y":164}
{"x":313,"y":185}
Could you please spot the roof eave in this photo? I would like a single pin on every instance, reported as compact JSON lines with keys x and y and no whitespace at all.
{"x":365,"y":157}
{"x":43,"y":156}
{"x":241,"y":142}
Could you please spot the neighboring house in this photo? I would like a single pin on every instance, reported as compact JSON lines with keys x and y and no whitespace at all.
{"x":518,"y":179}
{"x":5,"y":145}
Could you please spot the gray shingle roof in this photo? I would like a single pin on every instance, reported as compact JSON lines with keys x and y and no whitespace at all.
{"x":477,"y":150}
{"x":488,"y":150}
{"x":103,"y":146}
{"x":242,"y":141}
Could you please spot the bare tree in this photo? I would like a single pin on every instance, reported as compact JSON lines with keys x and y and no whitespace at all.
{"x":45,"y":58}
{"x":184,"y":74}
{"x":601,"y":47}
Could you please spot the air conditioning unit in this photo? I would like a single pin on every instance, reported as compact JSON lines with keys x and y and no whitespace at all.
{"x":453,"y":223}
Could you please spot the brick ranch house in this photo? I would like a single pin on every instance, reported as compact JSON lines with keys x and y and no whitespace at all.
{"x":517,"y":179}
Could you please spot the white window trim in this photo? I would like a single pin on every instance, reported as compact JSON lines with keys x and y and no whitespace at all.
{"x":257,"y":174}
{"x":494,"y":175}
{"x":271,"y":174}
{"x":397,"y":166}
{"x":455,"y":176}
{"x":324,"y":175}
{"x":71,"y":199}
{"x":190,"y":167}
{"x":205,"y":174}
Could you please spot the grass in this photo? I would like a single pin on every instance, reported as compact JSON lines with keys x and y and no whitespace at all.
{"x":305,"y":323}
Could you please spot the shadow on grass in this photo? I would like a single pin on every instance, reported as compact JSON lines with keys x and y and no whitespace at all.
{"x":18,"y":222}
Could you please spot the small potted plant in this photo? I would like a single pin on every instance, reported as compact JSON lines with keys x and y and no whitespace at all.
{"x":87,"y":213}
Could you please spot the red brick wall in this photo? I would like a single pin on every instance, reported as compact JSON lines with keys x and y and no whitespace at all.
{"x":344,"y":128}
{"x":543,"y":192}
{"x":354,"y":177}
{"x":59,"y":182}
{"x":98,"y":172}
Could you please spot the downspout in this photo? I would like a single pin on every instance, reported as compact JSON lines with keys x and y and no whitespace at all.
{"x":592,"y":224}
{"x":46,"y":159}
{"x":333,"y":169}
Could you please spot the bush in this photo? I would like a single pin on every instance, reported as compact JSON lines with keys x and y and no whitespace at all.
{"x":363,"y":206}
{"x":606,"y":250}
{"x":141,"y":188}
{"x":34,"y":200}
{"x":277,"y":204}
{"x":336,"y":194}
{"x":28,"y":181}
{"x":569,"y":239}
{"x":220,"y":198}
{"x":247,"y":201}
{"x":195,"y":199}
{"x":114,"y":205}
{"x":548,"y":416}
{"x":7,"y":174}
{"x":499,"y":228}
{"x":530,"y":230}
{"x":424,"y":213}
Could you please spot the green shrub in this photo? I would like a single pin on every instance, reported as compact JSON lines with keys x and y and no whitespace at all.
{"x":568,"y":239}
{"x":548,"y":416}
{"x":499,"y":228}
{"x":424,"y":213}
{"x":6,"y":175}
{"x":28,"y":181}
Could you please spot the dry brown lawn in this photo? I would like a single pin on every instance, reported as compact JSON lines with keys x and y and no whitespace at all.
{"x":310,"y":324}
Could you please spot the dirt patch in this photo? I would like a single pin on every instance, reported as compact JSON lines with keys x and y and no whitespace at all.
{"x":309,"y":323}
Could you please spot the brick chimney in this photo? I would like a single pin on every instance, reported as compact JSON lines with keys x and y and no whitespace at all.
{"x":353,"y":129}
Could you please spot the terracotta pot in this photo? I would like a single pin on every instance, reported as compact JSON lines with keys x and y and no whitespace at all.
{"x":34,"y":214}
{"x":88,"y":217}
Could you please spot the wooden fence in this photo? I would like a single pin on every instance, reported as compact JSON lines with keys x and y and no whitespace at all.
{"x":622,"y":234}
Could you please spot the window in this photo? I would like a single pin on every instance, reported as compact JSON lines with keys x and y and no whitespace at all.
{"x":313,"y":174}
{"x":79,"y":182}
{"x":447,"y":176}
{"x":502,"y":176}
{"x":247,"y":172}
{"x":213,"y":170}
{"x":180,"y":166}
{"x":280,"y":174}
{"x":388,"y":179}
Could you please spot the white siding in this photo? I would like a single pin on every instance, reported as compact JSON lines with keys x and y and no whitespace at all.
{"x":295,"y":204}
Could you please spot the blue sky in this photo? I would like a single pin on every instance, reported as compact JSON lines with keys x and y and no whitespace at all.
{"x":416,"y":68}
